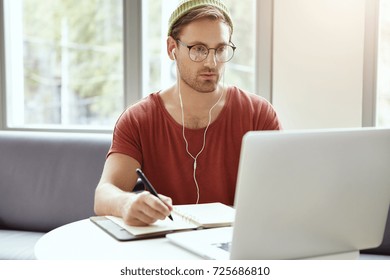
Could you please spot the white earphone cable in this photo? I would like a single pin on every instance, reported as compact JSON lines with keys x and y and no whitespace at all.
{"x":195,"y":158}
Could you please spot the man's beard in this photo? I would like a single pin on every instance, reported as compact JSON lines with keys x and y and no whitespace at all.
{"x":200,"y":85}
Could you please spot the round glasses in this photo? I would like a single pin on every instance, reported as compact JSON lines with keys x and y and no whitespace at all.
{"x":200,"y":52}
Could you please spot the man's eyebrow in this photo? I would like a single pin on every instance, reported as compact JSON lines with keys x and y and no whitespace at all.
{"x":203,"y":43}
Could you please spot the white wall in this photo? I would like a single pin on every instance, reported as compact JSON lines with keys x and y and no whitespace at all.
{"x":318,"y":54}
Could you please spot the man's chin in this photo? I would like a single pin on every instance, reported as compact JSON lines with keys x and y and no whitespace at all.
{"x":207,"y":87}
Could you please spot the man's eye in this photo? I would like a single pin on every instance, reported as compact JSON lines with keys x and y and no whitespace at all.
{"x":200,"y":49}
{"x":222,"y":49}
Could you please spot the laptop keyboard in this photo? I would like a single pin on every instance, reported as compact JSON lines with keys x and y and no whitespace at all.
{"x":224,"y":245}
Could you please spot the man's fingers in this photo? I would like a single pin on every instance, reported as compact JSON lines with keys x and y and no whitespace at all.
{"x":143,"y":220}
{"x":157,"y":208}
{"x":146,"y":209}
{"x":167,"y":200}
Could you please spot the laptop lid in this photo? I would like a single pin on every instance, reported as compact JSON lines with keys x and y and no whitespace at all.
{"x":304,"y":194}
{"x":311,"y":193}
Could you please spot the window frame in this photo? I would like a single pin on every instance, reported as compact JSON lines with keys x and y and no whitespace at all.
{"x":370,"y":64}
{"x":2,"y":70}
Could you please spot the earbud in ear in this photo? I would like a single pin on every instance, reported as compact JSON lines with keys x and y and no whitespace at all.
{"x":173,"y":54}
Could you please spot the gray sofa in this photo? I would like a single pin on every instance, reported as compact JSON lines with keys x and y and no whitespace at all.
{"x":48,"y":180}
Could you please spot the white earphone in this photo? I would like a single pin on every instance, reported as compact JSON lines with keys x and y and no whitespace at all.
{"x":173,"y":54}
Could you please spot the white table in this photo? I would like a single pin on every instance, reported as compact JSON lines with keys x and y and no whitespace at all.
{"x":83,"y":240}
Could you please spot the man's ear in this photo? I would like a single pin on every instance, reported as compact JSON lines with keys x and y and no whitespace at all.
{"x":171,"y":47}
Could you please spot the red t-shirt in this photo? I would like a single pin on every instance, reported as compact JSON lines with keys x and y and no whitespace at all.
{"x":149,"y":134}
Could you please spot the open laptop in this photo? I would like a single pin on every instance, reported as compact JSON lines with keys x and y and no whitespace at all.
{"x":304,"y":194}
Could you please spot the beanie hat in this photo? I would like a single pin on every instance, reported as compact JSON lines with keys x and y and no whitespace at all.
{"x":186,"y":5}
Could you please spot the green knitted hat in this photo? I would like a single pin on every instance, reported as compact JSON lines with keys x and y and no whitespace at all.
{"x":187,"y":5}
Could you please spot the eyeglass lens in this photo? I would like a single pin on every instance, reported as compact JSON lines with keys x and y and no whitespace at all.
{"x":222,"y":54}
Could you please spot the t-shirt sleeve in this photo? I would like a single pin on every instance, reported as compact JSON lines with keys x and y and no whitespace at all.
{"x":126,"y":135}
{"x":271,"y":120}
{"x":263,"y":114}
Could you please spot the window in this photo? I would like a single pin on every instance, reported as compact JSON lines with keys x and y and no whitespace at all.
{"x":383,"y":84}
{"x":65,"y":66}
{"x":64,"y":62}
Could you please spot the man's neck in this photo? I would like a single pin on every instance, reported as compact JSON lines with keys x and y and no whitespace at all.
{"x":196,"y":105}
{"x":196,"y":101}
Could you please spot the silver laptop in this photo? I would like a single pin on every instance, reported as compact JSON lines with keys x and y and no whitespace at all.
{"x":304,"y":194}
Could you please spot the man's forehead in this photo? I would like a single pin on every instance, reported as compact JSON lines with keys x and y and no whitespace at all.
{"x":206,"y":31}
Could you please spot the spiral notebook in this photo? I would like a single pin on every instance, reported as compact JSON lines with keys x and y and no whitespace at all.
{"x":185,"y":217}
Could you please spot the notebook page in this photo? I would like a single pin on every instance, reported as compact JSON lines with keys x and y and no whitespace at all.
{"x":207,"y":214}
{"x":159,"y":226}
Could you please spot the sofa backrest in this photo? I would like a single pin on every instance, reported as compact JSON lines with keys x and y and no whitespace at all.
{"x":48,"y":179}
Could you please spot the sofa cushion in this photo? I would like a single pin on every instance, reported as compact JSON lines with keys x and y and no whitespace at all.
{"x":48,"y":179}
{"x":18,"y":245}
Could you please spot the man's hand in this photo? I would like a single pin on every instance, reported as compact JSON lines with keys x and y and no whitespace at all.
{"x":144,"y":209}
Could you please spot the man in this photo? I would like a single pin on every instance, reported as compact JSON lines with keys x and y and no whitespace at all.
{"x":186,"y":138}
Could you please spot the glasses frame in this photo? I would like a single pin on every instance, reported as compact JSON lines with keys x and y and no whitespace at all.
{"x":208,"y":51}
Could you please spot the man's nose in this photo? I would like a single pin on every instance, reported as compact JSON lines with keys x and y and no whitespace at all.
{"x":211,"y":58}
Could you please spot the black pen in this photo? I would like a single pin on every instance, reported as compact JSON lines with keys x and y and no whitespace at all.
{"x":149,"y":186}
